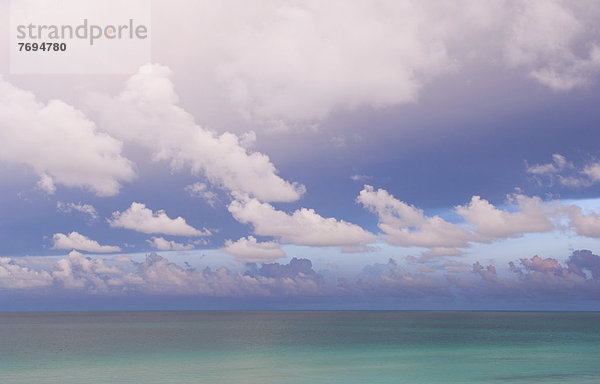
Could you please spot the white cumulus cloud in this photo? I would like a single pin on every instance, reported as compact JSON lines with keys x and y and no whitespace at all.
{"x":249,"y":250}
{"x":146,"y":112}
{"x":75,"y":240}
{"x":585,"y":225}
{"x":162,"y":244}
{"x":14,"y":276}
{"x":60,"y":143}
{"x":141,"y":219}
{"x":302,"y":227}
{"x":406,"y":225}
{"x":491,"y":223}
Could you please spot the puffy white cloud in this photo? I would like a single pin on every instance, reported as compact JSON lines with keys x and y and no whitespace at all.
{"x":585,"y":225}
{"x":83,"y":208}
{"x":544,"y":38}
{"x":162,"y":244}
{"x":141,"y":219}
{"x":75,"y":240}
{"x":146,"y":112}
{"x":250,"y":250}
{"x":302,"y":227}
{"x":492,"y":223}
{"x":60,"y":143}
{"x":201,"y":190}
{"x":406,"y":225}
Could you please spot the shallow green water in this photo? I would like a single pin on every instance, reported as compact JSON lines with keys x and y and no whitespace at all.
{"x":299,"y":347}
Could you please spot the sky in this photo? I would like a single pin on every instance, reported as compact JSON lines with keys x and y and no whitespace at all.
{"x":311,"y":155}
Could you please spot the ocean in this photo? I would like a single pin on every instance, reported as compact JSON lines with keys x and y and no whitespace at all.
{"x":299,"y":347}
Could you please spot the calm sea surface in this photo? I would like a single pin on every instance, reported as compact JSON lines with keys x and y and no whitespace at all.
{"x":299,"y":347}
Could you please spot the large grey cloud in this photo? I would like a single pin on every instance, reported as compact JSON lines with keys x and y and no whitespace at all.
{"x":285,"y":63}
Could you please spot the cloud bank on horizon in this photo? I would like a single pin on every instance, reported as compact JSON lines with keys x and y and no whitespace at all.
{"x":154,"y":163}
{"x":536,"y":278}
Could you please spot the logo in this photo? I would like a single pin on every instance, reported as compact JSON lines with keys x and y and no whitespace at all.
{"x":79,"y":36}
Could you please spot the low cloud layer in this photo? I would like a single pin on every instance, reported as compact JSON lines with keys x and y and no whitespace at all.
{"x":577,"y":278}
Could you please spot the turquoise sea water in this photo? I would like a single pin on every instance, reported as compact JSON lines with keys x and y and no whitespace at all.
{"x":299,"y":347}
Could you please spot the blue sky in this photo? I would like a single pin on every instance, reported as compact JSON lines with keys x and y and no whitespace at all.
{"x":306,"y":155}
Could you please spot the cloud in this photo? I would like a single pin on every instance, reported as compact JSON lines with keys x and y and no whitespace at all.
{"x":295,"y":268}
{"x":14,"y":276}
{"x":540,"y":278}
{"x":559,"y":163}
{"x":585,"y":260}
{"x":165,"y":245}
{"x":156,"y":275}
{"x":201,"y":190}
{"x":302,"y":227}
{"x":298,"y":62}
{"x":46,"y":184}
{"x":592,"y":171}
{"x":391,"y":280}
{"x":566,"y":173}
{"x":358,"y":177}
{"x":584,"y":225}
{"x":531,"y":280}
{"x":83,"y":273}
{"x":487,"y":273}
{"x":544,"y":38}
{"x":60,"y":144}
{"x":250,"y":250}
{"x":146,"y":112}
{"x":290,"y":65}
{"x":491,"y":223}
{"x":141,"y":219}
{"x":406,"y":225}
{"x":75,"y":240}
{"x":83,"y":208}
{"x":541,"y":265}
